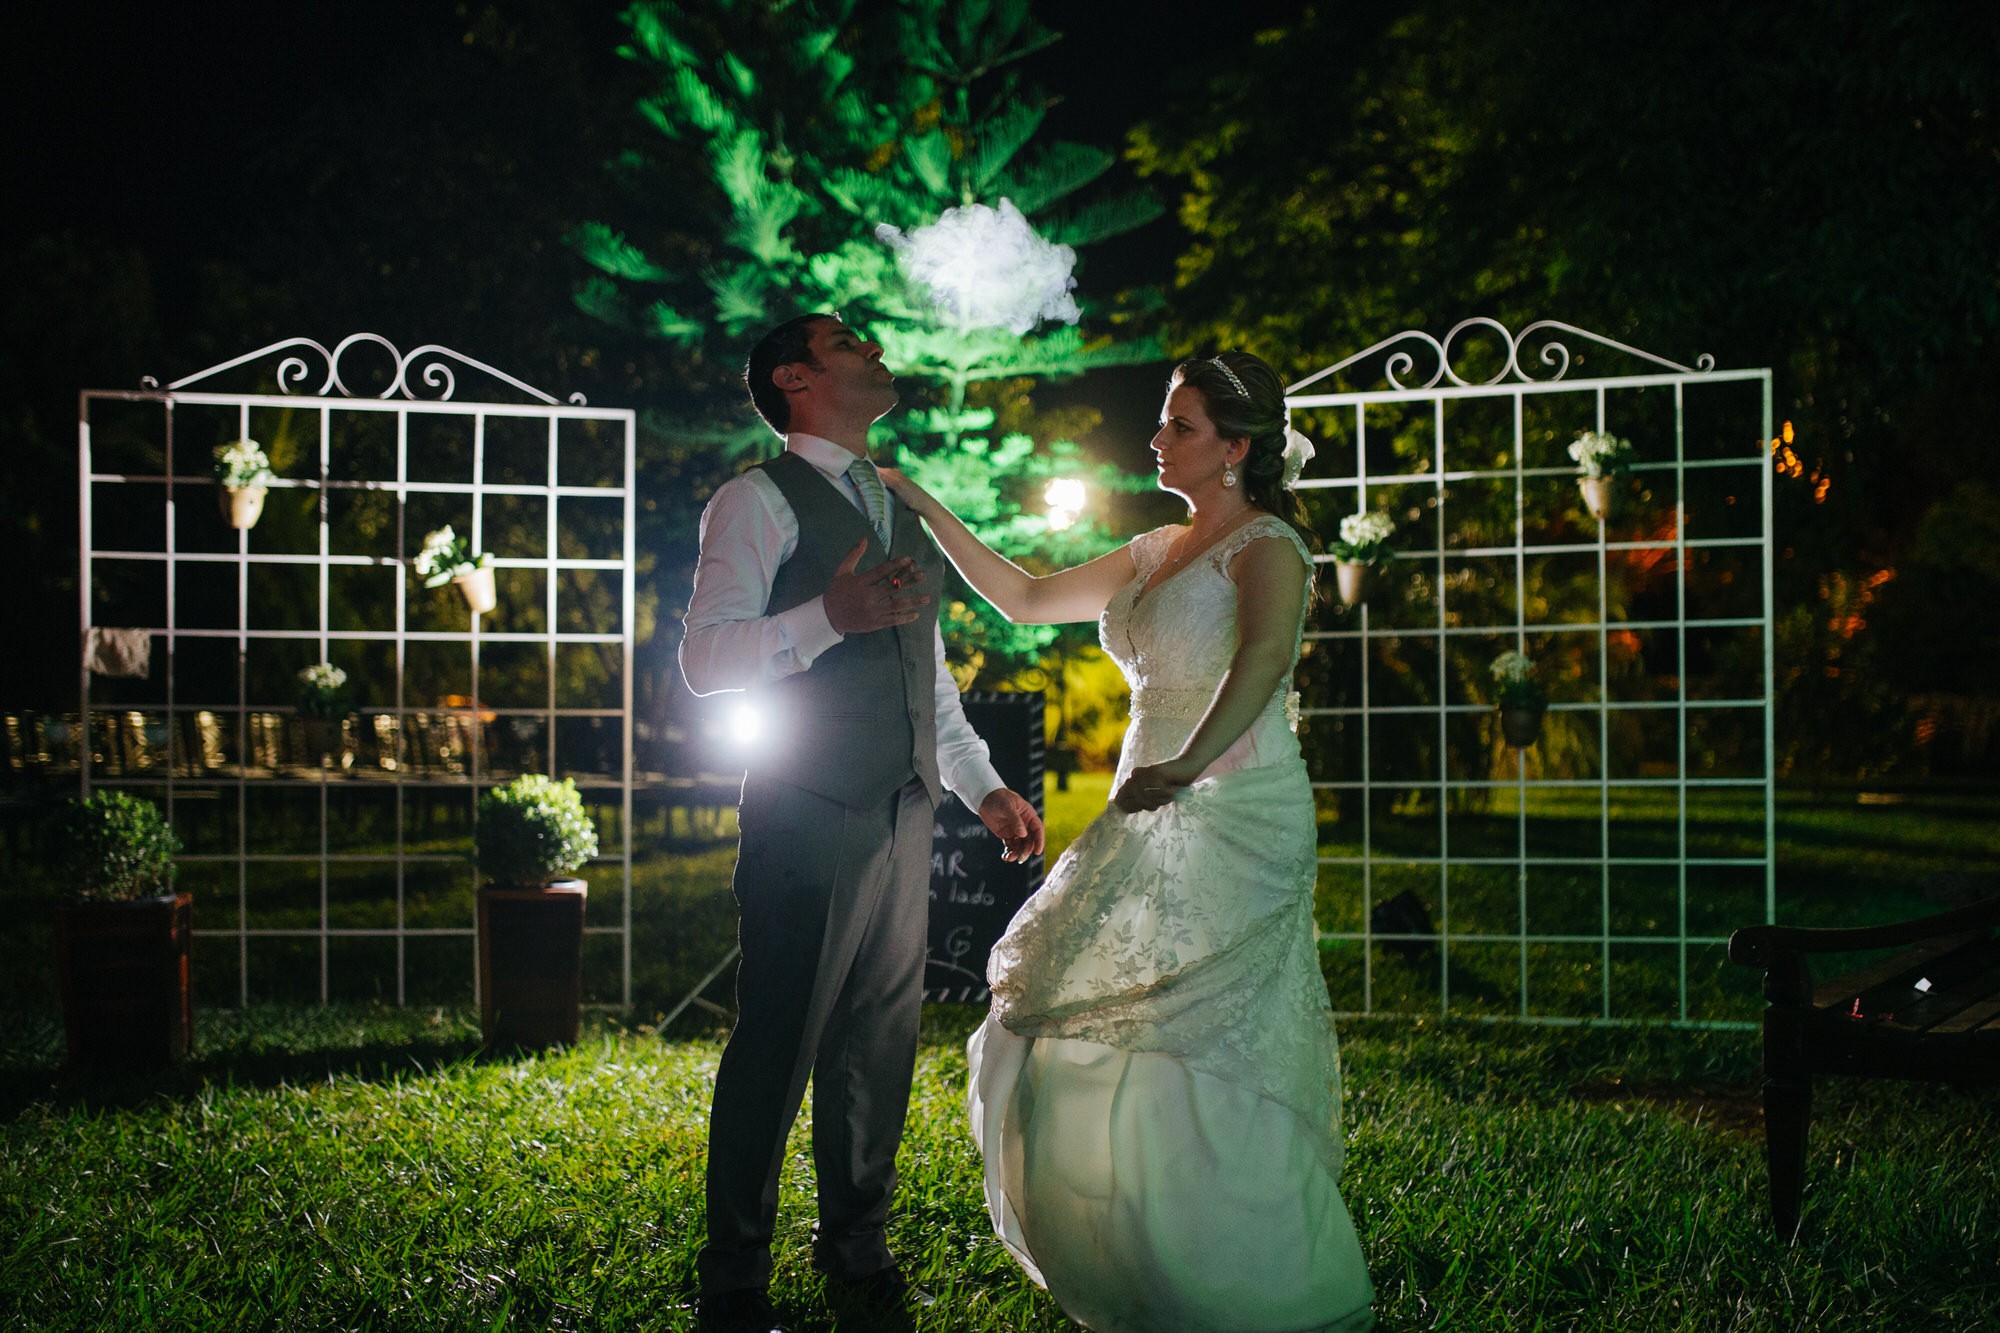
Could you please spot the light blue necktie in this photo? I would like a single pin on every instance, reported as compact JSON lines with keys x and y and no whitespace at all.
{"x":874,"y":496}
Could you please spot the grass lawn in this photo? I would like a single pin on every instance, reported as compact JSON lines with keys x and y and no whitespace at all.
{"x":366,"y":1168}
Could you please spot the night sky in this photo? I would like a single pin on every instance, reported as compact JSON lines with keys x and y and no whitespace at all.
{"x":187,"y":183}
{"x":168,"y":128}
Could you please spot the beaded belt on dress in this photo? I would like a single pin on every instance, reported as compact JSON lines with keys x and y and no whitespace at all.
{"x":1189,"y":705}
{"x":1160,"y":701}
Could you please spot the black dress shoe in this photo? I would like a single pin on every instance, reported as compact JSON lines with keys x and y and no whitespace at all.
{"x":745,"y":1311}
{"x":883,"y":1289}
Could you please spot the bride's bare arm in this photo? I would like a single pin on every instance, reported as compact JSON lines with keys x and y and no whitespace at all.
{"x":1270,"y":594}
{"x":1078,"y":593}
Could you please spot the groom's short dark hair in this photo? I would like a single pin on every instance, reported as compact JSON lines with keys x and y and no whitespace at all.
{"x":787,"y":345}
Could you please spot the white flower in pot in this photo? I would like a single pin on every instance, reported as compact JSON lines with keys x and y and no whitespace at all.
{"x":324,"y":704}
{"x":245,"y":472}
{"x":1363,"y":544}
{"x":1519,"y":697}
{"x":1602,"y":458}
{"x":447,"y":557}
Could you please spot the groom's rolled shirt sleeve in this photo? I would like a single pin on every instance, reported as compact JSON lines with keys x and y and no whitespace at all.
{"x":730,"y":644}
{"x":963,"y":761}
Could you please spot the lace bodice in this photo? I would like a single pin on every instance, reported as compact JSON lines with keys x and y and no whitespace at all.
{"x":1175,"y":643}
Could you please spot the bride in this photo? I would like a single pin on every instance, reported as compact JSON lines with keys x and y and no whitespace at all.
{"x":1156,"y":1092}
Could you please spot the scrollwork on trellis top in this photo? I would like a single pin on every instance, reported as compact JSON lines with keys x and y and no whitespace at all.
{"x":295,"y":370}
{"x":1402,"y":361}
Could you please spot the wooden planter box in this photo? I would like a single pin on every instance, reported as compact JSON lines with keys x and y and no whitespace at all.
{"x":531,"y":963}
{"x":123,"y":971}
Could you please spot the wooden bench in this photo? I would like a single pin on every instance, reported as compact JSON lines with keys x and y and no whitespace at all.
{"x":1931,"y":1012}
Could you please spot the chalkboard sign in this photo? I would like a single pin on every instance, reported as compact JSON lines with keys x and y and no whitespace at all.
{"x":974,"y":894}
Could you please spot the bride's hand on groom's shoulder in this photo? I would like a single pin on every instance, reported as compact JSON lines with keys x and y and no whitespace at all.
{"x":904,"y":489}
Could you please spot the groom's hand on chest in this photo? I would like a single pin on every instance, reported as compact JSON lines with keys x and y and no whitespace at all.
{"x":861,"y":600}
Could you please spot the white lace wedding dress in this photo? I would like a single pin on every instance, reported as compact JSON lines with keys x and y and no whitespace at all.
{"x":1156,"y":1092}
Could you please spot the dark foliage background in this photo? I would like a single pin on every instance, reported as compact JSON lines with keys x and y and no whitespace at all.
{"x":1810,"y":186}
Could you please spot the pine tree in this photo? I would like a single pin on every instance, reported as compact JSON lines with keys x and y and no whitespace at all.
{"x":791,"y":131}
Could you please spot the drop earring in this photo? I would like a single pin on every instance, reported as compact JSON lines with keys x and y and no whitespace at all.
{"x":1229,"y":476}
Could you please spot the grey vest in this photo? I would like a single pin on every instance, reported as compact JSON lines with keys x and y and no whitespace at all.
{"x":862,"y":719}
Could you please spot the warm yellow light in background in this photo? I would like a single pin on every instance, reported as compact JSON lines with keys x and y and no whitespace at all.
{"x":1789,"y":464}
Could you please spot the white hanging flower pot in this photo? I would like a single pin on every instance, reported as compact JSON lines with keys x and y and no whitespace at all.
{"x":448,"y":558}
{"x":478,"y":589}
{"x":1363,"y":544}
{"x":1352,"y":578}
{"x":242,"y":505}
{"x":1597,"y":495}
{"x":1601,"y":456}
{"x":242,"y":468}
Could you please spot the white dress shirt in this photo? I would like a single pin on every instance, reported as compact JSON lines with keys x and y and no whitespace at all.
{"x":747,"y":532}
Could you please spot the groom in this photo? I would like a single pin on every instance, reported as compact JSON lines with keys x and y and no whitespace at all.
{"x":810,"y":590}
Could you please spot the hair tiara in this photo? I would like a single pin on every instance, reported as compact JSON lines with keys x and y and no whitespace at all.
{"x":1234,"y":382}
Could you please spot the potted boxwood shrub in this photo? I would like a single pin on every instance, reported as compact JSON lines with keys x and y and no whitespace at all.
{"x":531,"y":838}
{"x":1363,"y":544}
{"x":244,"y":471}
{"x":448,"y":558}
{"x":122,"y":936}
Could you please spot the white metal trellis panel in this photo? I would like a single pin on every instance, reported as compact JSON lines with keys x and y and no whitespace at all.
{"x":198,"y":737}
{"x":1470,"y":955}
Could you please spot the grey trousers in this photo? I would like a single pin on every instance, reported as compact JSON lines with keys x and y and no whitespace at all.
{"x":834,"y":905}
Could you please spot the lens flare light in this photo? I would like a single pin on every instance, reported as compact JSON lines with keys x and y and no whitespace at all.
{"x":1066,"y":497}
{"x":745,"y":726}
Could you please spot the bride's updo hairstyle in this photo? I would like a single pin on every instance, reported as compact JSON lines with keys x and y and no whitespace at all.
{"x":1246,"y":400}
